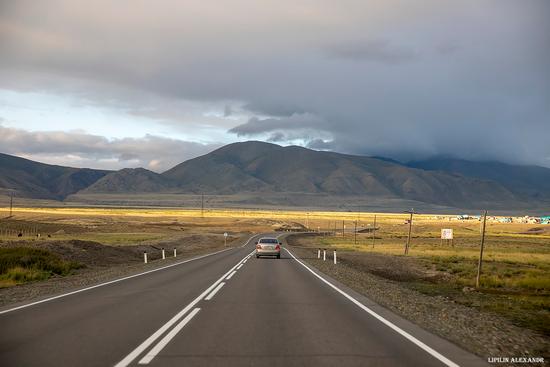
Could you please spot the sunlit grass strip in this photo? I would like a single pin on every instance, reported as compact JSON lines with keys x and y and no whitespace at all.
{"x":238,"y":213}
{"x":231,"y":213}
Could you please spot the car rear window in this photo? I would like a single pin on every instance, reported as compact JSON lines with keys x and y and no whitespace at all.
{"x":268,"y":240}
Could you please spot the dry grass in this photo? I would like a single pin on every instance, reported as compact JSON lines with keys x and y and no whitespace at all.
{"x":315,"y":217}
{"x":512,"y":259}
{"x":515,"y":281}
{"x":517,"y":256}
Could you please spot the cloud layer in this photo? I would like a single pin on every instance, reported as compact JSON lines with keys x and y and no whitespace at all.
{"x":79,"y":149}
{"x":397,"y":78}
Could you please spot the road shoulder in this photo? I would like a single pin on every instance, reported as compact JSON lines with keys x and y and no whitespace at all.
{"x":445,"y":347}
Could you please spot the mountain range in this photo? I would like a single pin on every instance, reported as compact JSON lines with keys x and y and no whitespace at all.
{"x":44,"y":181}
{"x":264,"y":168}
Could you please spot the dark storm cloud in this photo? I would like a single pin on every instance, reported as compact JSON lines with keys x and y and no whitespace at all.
{"x":86,"y":150}
{"x":273,"y":109}
{"x":372,"y":50}
{"x":256,"y":126}
{"x":398,"y":78}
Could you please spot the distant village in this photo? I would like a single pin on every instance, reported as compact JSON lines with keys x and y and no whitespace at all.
{"x":495,"y":219}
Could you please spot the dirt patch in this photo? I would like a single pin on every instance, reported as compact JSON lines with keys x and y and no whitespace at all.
{"x":537,"y":230}
{"x":390,"y":267}
{"x":88,"y":253}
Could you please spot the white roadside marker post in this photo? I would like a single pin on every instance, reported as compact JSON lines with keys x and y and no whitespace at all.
{"x":319,"y":253}
{"x":145,"y":257}
{"x":334,"y":257}
{"x":225,"y":239}
{"x":163,"y":254}
{"x":174,"y":252}
{"x":324,"y":255}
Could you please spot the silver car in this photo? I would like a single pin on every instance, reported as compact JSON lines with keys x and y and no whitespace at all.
{"x":268,"y":246}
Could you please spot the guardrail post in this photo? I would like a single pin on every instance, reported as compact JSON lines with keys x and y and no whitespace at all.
{"x":145,"y":257}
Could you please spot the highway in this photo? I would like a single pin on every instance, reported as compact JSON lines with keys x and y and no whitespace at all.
{"x":227,"y":309}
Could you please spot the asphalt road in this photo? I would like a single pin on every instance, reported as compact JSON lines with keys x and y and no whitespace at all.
{"x":228,"y":309}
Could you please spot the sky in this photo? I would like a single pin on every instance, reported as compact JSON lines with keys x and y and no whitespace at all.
{"x":150,"y":84}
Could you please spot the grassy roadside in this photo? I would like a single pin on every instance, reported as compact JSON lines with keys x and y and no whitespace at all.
{"x":35,"y":247}
{"x":484,"y":323}
{"x":515,"y":282}
{"x":20,"y":265}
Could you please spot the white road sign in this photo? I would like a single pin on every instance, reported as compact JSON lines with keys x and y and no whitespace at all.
{"x":447,"y":234}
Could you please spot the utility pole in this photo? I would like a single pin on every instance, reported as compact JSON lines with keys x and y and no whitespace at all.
{"x":374,"y":231}
{"x":408,"y":244}
{"x":202,"y":205}
{"x":11,"y":203}
{"x":355,"y":234}
{"x":307,"y":221}
{"x":343,"y":229}
{"x":481,"y":249}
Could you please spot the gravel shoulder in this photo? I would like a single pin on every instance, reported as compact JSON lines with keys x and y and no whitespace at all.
{"x":481,"y":333}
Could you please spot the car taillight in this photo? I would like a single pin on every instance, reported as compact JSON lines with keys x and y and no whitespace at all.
{"x":277,"y":247}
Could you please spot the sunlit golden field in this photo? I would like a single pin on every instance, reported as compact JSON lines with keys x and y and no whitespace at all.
{"x":507,"y":245}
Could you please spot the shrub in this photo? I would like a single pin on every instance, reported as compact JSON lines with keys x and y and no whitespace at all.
{"x":25,"y":264}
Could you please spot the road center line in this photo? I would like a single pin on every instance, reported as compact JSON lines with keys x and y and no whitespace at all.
{"x":164,"y":341}
{"x":231,"y":275}
{"x":240,"y":266}
{"x":150,"y":340}
{"x":213,"y":293}
{"x":392,"y":326}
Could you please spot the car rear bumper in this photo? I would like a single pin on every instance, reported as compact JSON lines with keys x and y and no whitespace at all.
{"x":267,"y":252}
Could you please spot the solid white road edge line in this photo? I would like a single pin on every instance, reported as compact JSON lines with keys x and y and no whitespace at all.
{"x":111,"y":282}
{"x":231,"y":275}
{"x":120,"y":279}
{"x":164,"y":341}
{"x":150,"y":340}
{"x":400,"y":331}
{"x":213,"y":293}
